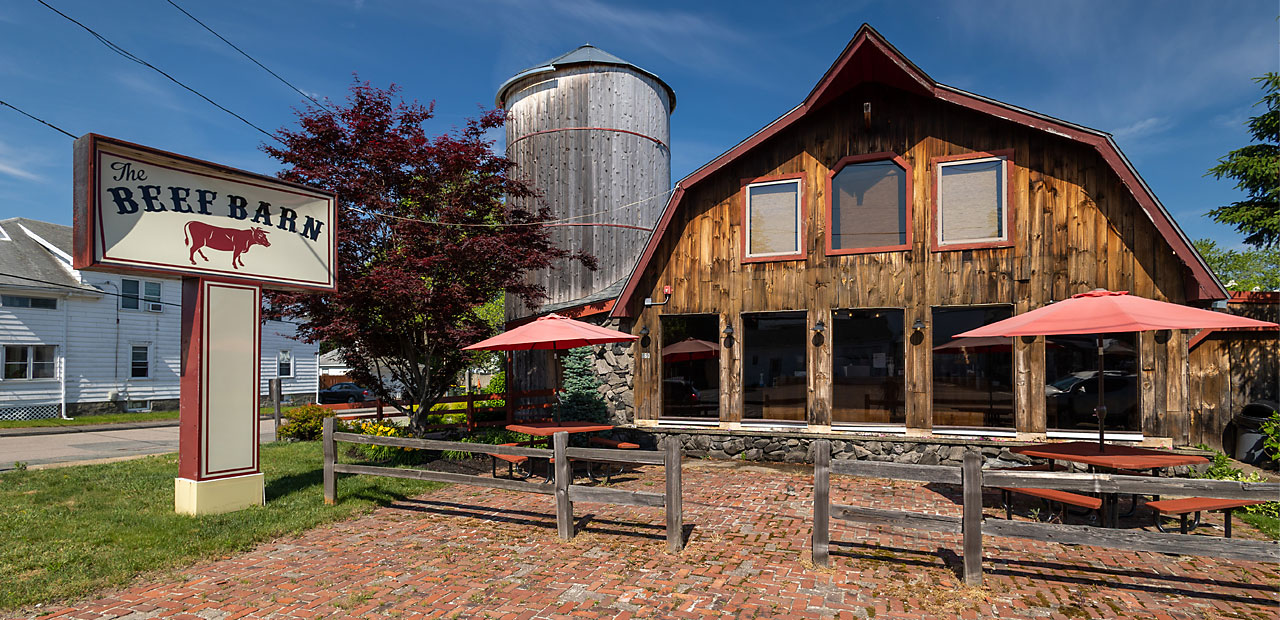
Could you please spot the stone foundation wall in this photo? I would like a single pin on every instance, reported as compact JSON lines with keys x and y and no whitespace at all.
{"x":614,"y":363}
{"x":786,"y":447}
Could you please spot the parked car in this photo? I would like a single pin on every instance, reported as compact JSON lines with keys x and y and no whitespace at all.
{"x":344,"y":393}
{"x":1074,"y":396}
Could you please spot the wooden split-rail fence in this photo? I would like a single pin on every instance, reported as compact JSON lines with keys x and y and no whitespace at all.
{"x":562,"y":487}
{"x":972,"y":526}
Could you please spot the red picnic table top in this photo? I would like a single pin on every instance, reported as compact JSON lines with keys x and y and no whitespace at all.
{"x":1115,"y":457}
{"x":547,"y":429}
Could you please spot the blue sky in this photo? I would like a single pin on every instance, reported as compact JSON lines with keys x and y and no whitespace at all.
{"x":1170,"y":79}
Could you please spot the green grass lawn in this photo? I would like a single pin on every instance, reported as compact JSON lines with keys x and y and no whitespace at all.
{"x":1267,"y":525}
{"x":71,"y":531}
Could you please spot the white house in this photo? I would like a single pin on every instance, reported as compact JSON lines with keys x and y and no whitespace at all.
{"x":76,"y":343}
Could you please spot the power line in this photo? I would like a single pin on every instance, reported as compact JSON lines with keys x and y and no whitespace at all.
{"x":251,"y":58}
{"x":126,"y":54}
{"x":38,"y":120}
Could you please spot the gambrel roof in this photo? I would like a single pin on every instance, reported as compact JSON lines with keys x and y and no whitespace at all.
{"x":870,"y":58}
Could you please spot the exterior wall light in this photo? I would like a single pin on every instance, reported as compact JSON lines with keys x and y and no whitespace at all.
{"x":728,"y":330}
{"x":819,"y":327}
{"x":918,"y":325}
{"x":644,"y":331}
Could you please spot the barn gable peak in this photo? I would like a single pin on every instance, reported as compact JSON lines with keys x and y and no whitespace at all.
{"x":868,"y":58}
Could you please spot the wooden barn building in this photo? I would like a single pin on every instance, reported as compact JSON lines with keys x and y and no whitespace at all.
{"x":818,"y":271}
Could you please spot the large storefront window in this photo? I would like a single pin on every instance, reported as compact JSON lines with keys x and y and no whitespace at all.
{"x":691,"y":366}
{"x":972,"y":378}
{"x":1071,"y":374}
{"x":774,"y":383}
{"x":867,"y":367}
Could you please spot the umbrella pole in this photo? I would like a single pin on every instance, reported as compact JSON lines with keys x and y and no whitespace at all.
{"x":557,"y":387}
{"x":1101,"y":410}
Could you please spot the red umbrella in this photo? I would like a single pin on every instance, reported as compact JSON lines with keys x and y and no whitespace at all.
{"x":551,"y":332}
{"x":690,"y":349}
{"x":990,"y":344}
{"x":1100,"y":312}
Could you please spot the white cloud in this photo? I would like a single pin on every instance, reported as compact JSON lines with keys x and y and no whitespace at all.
{"x":14,"y":170}
{"x":1144,"y":127}
{"x":18,"y":163}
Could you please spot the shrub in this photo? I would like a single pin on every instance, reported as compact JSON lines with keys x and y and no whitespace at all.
{"x":306,"y":423}
{"x":1220,"y":468}
{"x":1271,"y":438}
{"x":383,"y":453}
{"x":581,"y":400}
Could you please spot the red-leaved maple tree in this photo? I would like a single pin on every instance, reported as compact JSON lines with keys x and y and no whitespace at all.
{"x":424,"y":238}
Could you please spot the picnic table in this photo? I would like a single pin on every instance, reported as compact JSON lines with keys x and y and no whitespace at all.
{"x":1111,"y":458}
{"x":597,"y":471}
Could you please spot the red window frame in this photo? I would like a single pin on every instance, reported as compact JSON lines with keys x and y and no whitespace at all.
{"x":802,"y":219}
{"x":830,"y":201}
{"x":934,"y":231}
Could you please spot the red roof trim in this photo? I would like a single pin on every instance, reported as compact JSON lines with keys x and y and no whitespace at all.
{"x":1207,"y":286}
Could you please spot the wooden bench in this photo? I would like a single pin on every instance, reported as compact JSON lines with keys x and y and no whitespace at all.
{"x":613,"y":443}
{"x":511,"y":460}
{"x":1185,"y":506}
{"x":1065,"y":498}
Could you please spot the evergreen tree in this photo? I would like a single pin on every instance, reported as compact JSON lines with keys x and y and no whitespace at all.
{"x":581,"y":399}
{"x":1256,"y":169}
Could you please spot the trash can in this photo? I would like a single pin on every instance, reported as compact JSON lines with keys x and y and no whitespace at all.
{"x":1249,"y":430}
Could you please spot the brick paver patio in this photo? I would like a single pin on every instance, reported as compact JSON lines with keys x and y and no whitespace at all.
{"x":465,"y":552}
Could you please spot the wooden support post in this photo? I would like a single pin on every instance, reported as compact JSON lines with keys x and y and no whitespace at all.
{"x":379,"y":409}
{"x":821,"y":502}
{"x":563,"y":478}
{"x":971,"y":521}
{"x":330,"y":479}
{"x":275,"y":399}
{"x":471,"y":410}
{"x":508,"y":400}
{"x":675,"y":501}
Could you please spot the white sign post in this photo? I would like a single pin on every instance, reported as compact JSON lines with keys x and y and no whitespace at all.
{"x":228,"y":233}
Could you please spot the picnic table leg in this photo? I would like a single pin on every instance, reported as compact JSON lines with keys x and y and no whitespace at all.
{"x":1227,"y":514}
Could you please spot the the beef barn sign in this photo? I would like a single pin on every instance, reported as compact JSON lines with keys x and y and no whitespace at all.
{"x":149,"y":210}
{"x":227,"y":233}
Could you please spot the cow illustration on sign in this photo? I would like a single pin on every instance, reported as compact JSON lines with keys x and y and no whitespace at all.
{"x":200,"y":235}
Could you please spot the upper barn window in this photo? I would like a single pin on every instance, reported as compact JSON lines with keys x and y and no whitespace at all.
{"x":870,"y":204}
{"x":972,"y":202}
{"x":773,"y":219}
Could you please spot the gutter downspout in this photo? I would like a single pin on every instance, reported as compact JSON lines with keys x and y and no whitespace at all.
{"x":66,"y":348}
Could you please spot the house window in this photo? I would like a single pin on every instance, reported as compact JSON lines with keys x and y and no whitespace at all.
{"x":137,"y":406}
{"x":972,"y":378}
{"x":773,"y":220}
{"x":774,"y":377}
{"x":17,"y":301}
{"x":140,"y":361}
{"x":691,"y":366}
{"x":284,"y":364}
{"x":869,"y":378}
{"x":972,"y":197}
{"x":30,"y":361}
{"x":133,"y":293}
{"x":870,"y":198}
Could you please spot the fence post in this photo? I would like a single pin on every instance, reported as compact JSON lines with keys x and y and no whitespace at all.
{"x":971,"y":522}
{"x":675,"y":499}
{"x":563,"y":478}
{"x":330,"y":481}
{"x":821,"y":502}
{"x":471,"y":410}
{"x":275,"y":399}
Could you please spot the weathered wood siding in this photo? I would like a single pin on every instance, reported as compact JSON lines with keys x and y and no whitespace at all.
{"x":1075,"y":227}
{"x":592,"y":175}
{"x":1230,"y":369}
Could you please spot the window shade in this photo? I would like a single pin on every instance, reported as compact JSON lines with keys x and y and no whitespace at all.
{"x":971,"y":201}
{"x":773,"y":214}
{"x":869,"y":206}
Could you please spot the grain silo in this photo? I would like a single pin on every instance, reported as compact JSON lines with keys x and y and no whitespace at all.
{"x":591,"y":133}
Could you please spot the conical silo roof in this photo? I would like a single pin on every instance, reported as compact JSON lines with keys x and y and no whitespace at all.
{"x":585,"y":54}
